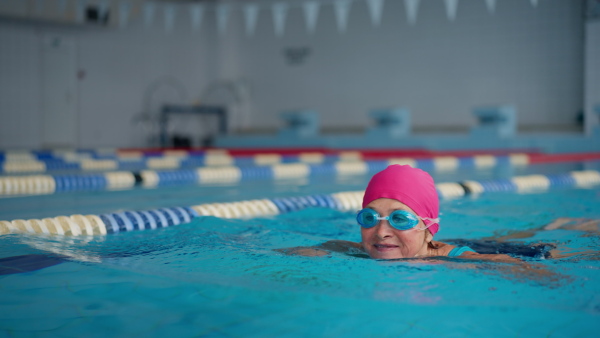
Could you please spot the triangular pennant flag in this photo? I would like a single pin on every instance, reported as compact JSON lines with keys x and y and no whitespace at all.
{"x":279,"y":15}
{"x":376,"y":10}
{"x":342,"y":9}
{"x":124,"y":10}
{"x":149,"y":11}
{"x":412,"y":8}
{"x":169,"y":12}
{"x":196,"y":16}
{"x":491,"y":5}
{"x":251,"y":16}
{"x":311,"y":14}
{"x":534,"y":3}
{"x":451,"y":6}
{"x":222,"y":17}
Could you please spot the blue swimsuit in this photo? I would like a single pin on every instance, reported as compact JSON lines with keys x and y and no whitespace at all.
{"x":459,"y":250}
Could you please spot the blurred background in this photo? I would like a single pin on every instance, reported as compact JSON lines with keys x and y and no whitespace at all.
{"x":98,"y":73}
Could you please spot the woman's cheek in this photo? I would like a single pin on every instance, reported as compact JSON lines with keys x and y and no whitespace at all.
{"x":411,"y":240}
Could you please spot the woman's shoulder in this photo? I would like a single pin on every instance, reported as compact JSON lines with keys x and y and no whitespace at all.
{"x":468,"y":253}
{"x":449,"y":250}
{"x":437,"y":248}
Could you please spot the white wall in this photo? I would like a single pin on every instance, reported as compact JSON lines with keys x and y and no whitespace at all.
{"x":120,"y":69}
{"x":530,"y":57}
{"x":116,"y":68}
{"x":592,"y":75}
{"x":19,"y":86}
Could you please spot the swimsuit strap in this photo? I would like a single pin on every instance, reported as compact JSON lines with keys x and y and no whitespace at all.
{"x":459,"y":250}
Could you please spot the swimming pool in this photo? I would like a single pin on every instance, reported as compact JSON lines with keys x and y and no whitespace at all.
{"x":221,"y":277}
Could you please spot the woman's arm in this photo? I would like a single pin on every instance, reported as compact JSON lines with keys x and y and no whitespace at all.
{"x":437,"y":249}
{"x":515,"y":269}
{"x":323,"y":249}
{"x":581,"y":224}
{"x":490,"y":257}
{"x":566,"y":223}
{"x":308,"y":251}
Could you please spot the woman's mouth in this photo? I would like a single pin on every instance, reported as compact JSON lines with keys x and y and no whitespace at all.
{"x":384,"y":247}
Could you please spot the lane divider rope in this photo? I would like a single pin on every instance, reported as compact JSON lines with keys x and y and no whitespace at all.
{"x":48,"y":184}
{"x":93,"y":225}
{"x":24,"y":165}
{"x":308,"y":155}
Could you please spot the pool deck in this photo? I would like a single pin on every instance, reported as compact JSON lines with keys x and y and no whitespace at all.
{"x":546,"y":142}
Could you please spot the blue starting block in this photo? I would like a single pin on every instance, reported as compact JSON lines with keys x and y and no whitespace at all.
{"x":495,"y":121}
{"x":303,"y":123}
{"x":392,"y":122}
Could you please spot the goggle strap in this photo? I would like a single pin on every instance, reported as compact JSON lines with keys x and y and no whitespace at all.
{"x":432,"y":220}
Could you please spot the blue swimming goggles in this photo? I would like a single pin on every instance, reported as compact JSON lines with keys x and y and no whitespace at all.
{"x":399,"y":219}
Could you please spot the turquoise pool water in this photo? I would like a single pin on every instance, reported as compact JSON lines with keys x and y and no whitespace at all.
{"x":218,"y":277}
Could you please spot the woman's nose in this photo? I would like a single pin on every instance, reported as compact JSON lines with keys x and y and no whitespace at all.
{"x":384,"y":229}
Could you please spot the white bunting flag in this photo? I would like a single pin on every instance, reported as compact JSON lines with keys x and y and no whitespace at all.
{"x":149,"y":12}
{"x":169,"y":12}
{"x":342,"y":10}
{"x":412,"y":8}
{"x":222,"y":17}
{"x":196,"y":16}
{"x":124,"y":10}
{"x":534,"y":3}
{"x":251,"y":16}
{"x":311,"y":14}
{"x":451,"y":6}
{"x":376,"y":10}
{"x":491,"y":6}
{"x":279,"y":15}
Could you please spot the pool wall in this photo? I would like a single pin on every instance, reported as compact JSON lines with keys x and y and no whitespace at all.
{"x":549,"y":142}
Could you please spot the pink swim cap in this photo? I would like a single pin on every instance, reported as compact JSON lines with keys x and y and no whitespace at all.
{"x":411,"y":186}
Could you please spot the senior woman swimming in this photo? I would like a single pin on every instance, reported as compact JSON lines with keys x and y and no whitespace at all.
{"x":399,"y":220}
{"x":400,"y":216}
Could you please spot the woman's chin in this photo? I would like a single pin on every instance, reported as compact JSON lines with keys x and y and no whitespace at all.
{"x":390,"y":254}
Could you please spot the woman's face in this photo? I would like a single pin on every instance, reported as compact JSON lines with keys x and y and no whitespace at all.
{"x":386,"y":242}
